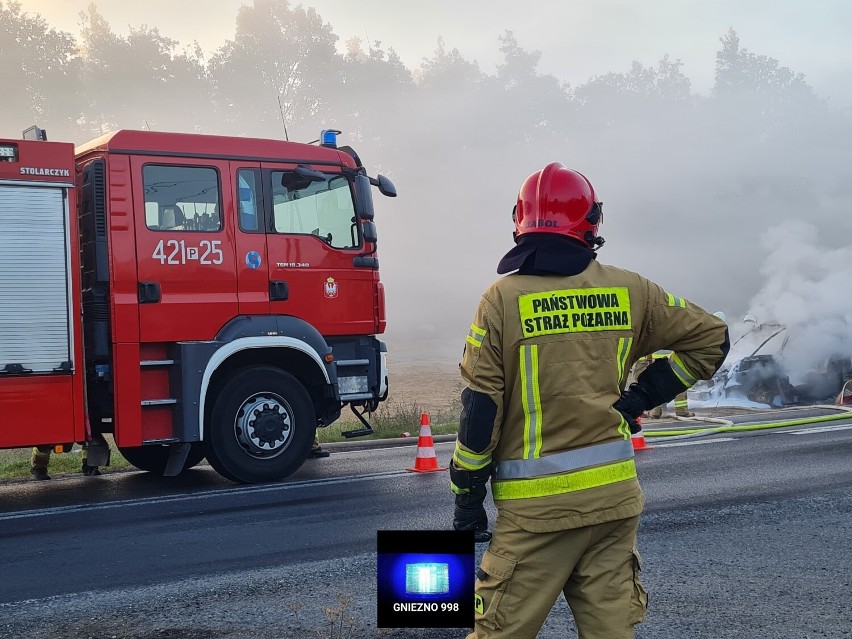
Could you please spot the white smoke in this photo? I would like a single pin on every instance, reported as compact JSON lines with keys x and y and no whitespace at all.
{"x":808,"y":289}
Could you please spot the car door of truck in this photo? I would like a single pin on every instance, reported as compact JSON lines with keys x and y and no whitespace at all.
{"x":185,"y":248}
{"x":313,"y":238}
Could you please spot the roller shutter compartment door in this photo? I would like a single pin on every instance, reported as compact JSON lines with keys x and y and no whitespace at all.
{"x":34,"y":278}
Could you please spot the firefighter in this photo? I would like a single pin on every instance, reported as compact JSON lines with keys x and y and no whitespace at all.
{"x":547,"y":420}
{"x":682,"y":406}
{"x":317,"y":451}
{"x":40,"y":460}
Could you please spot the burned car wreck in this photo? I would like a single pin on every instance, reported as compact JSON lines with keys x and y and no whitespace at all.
{"x":756,"y":370}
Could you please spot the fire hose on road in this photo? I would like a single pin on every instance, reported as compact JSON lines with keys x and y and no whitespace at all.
{"x":728,"y":426}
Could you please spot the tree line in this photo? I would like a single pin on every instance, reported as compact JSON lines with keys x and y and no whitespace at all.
{"x":283,"y":62}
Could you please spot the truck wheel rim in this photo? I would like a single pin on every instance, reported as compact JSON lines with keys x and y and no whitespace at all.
{"x":264,"y":425}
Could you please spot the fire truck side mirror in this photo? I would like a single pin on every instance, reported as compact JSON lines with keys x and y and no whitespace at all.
{"x":369,"y":231}
{"x":363,"y":198}
{"x":386,"y":187}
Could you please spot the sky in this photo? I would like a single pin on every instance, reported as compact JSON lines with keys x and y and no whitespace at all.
{"x":577,"y":39}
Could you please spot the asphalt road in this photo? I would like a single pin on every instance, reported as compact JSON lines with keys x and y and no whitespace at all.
{"x":744,"y":535}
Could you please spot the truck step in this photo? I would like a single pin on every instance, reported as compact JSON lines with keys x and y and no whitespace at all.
{"x":158,"y":402}
{"x":157,"y":362}
{"x":361,"y":432}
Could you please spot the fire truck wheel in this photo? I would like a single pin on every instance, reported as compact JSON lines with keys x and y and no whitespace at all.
{"x":262,"y":426}
{"x":154,"y":458}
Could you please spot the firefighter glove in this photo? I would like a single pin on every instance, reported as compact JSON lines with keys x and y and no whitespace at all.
{"x":469,"y":514}
{"x":631,"y":404}
{"x":632,"y":423}
{"x":470,"y":490}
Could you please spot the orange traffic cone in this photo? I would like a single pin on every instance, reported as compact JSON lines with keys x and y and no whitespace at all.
{"x":426,"y":461}
{"x":638,"y":439}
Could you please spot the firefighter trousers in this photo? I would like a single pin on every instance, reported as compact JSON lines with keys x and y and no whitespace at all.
{"x":40,"y":457}
{"x":596,"y":568}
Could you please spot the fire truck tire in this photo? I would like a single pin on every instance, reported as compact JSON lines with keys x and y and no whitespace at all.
{"x":154,"y":458}
{"x":261,"y":427}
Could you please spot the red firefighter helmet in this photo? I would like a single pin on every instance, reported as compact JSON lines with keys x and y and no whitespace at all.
{"x":559,"y":201}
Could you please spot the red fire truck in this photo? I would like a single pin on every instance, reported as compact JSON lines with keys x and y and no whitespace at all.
{"x":193,"y":295}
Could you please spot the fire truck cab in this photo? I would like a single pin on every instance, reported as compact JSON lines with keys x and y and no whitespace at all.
{"x":194,"y":295}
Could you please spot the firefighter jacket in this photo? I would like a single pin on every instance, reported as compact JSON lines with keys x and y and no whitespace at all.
{"x":545,"y":359}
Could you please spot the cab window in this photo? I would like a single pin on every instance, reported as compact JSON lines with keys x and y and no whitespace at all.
{"x":181,"y":198}
{"x":248,"y":198}
{"x":321,"y":208}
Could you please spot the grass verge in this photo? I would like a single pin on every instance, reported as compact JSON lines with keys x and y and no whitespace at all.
{"x":15,"y":462}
